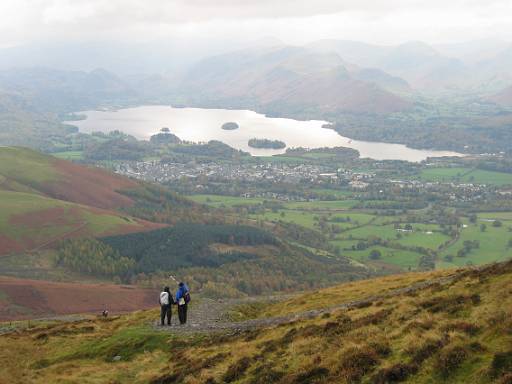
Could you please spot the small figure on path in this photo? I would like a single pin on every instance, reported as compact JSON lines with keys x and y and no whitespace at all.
{"x":166,"y":301}
{"x":182,"y":298}
{"x":104,"y":313}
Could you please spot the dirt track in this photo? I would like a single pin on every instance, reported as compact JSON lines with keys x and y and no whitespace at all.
{"x":212,"y":316}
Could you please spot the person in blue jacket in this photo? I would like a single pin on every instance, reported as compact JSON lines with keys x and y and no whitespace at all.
{"x":182,"y":299}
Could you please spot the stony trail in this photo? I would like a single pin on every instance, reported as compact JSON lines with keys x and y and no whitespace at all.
{"x":209,"y":316}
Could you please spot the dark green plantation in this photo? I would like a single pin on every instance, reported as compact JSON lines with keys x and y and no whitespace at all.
{"x":240,"y":260}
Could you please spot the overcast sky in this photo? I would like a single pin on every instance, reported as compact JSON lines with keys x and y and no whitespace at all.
{"x":293,"y":21}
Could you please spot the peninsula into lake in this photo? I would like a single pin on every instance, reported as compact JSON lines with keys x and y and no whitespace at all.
{"x":266,"y":144}
{"x":230,"y":126}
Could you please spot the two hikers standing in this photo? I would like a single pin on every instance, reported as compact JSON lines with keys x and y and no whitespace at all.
{"x":167,"y":301}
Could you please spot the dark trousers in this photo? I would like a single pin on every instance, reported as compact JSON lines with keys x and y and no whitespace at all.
{"x":182,"y":313}
{"x":166,"y":311}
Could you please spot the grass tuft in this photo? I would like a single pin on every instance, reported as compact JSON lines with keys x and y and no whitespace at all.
{"x":501,"y":363}
{"x":237,"y":370}
{"x":450,"y":359}
{"x":396,"y":373}
{"x":311,"y":376}
{"x":357,"y":362}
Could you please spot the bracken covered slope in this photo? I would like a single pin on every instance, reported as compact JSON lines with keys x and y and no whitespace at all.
{"x":44,"y":200}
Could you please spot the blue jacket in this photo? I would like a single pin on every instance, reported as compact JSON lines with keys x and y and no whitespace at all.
{"x":181,"y":292}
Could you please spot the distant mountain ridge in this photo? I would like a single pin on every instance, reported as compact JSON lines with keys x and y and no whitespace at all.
{"x":47,"y":90}
{"x":292,"y":78}
{"x":503,"y":97}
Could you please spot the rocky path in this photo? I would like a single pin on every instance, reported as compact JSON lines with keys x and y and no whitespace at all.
{"x":208,"y":316}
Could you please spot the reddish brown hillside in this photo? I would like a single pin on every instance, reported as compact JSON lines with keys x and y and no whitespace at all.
{"x":25,"y":170}
{"x":89,"y":186}
{"x":44,"y":200}
{"x":8,"y":245}
{"x":44,"y":228}
{"x":20,"y":298}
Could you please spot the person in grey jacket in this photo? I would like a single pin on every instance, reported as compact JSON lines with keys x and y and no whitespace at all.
{"x":166,"y":301}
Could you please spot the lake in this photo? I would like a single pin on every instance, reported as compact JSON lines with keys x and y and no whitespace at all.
{"x":202,"y":125}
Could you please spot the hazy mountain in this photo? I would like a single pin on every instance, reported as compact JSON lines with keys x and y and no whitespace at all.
{"x":472,"y":52}
{"x":497,"y":71}
{"x":422,"y":66}
{"x":359,"y":53}
{"x":503,"y":98}
{"x":291,"y":78}
{"x":57,"y":90}
{"x":161,"y":56}
{"x":482,"y":64}
{"x":382,"y":79}
{"x":462,"y":66}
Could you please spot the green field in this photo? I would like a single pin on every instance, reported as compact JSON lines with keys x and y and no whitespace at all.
{"x":401,"y":258}
{"x":494,"y":244}
{"x":502,"y":216}
{"x":424,"y":239}
{"x":386,"y":232}
{"x":355,"y":226}
{"x":322,"y":205}
{"x":466,"y":175}
{"x":355,"y":218}
{"x":344,"y":244}
{"x":338,"y":194}
{"x":233,"y":201}
{"x":226,"y":201}
{"x":345,"y":227}
{"x":69,"y":155}
{"x":305,"y":219}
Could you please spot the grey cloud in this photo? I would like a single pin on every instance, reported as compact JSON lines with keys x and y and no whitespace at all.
{"x":50,"y":19}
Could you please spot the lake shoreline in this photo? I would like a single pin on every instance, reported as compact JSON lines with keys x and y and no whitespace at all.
{"x":204,"y":124}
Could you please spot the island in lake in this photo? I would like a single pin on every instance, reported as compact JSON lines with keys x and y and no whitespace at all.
{"x":266,"y":144}
{"x":230,"y":126}
{"x":165,"y":137}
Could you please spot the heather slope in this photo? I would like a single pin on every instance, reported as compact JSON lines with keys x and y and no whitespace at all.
{"x":44,"y":200}
{"x":29,"y":222}
{"x":22,"y":169}
{"x":25,"y":298}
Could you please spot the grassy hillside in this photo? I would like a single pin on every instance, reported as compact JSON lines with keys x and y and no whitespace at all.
{"x":454,"y":329}
{"x":43,"y":200}
{"x":26,"y":170}
{"x":29,"y":221}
